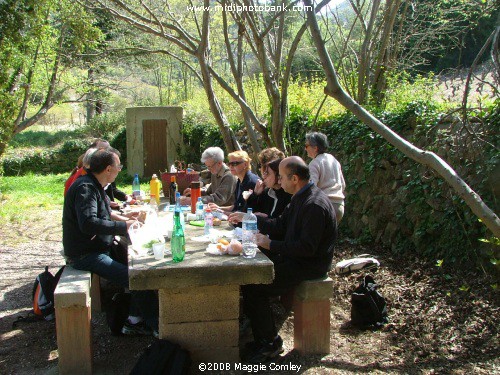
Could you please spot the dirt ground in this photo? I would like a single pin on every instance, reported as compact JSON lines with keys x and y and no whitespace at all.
{"x":442,"y":320}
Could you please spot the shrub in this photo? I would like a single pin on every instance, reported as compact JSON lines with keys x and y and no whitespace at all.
{"x":105,"y":125}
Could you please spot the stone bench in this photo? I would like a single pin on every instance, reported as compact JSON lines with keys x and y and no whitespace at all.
{"x":310,"y":302}
{"x":72,"y":300}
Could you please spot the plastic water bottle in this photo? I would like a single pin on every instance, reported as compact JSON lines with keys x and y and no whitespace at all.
{"x":153,"y":205}
{"x":178,"y":241}
{"x":199,"y":209}
{"x":136,"y":186}
{"x":209,"y":221}
{"x":249,"y":232}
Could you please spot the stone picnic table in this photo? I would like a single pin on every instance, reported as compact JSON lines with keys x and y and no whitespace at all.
{"x":199,"y":297}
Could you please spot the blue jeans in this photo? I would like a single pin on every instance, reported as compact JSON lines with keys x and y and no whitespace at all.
{"x":143,"y":302}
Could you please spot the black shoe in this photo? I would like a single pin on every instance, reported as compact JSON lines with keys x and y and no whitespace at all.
{"x":136,"y":329}
{"x":266,"y":351}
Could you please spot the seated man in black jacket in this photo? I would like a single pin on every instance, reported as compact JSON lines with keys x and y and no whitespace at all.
{"x":309,"y":231}
{"x":89,"y":227}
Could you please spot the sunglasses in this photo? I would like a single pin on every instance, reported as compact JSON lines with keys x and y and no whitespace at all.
{"x":235,"y":163}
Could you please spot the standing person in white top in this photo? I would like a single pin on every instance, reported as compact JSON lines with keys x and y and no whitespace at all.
{"x":326,"y":171}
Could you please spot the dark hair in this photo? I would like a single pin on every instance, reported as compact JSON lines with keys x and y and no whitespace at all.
{"x":274,"y":165}
{"x":102,"y":158}
{"x":269,"y":154}
{"x":298,"y":168}
{"x":318,"y":140}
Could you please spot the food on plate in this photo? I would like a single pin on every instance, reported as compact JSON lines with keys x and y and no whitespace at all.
{"x":235,"y":247}
{"x":222,"y":248}
{"x":216,"y":222}
{"x":223,"y":241}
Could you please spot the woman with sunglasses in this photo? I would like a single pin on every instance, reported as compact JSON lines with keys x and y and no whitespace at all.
{"x":239,"y":165}
{"x":326,"y":171}
{"x":268,"y":198}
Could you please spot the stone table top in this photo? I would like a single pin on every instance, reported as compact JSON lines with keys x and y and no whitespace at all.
{"x":198,"y":268}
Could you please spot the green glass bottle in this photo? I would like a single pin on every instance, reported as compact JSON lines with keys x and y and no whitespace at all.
{"x":178,"y":242}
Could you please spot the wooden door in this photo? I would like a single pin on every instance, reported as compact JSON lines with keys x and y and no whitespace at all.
{"x":155,"y":146}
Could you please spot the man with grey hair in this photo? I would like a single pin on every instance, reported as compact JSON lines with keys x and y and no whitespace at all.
{"x":222,"y":183}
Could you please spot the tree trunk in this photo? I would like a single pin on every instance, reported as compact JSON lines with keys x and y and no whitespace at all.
{"x":91,"y":100}
{"x":49,"y":97}
{"x":430,"y":159}
{"x":215,"y":108}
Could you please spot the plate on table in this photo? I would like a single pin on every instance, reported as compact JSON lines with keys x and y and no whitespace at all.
{"x":213,"y":250}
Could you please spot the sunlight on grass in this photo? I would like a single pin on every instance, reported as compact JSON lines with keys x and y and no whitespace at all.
{"x":26,"y":196}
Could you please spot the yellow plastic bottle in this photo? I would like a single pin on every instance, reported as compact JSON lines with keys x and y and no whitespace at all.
{"x":154,"y":185}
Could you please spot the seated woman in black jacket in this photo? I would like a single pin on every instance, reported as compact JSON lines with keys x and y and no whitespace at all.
{"x":268,"y":201}
{"x":268,"y":198}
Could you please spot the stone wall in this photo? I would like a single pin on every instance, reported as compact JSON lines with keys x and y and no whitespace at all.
{"x":406,"y":206}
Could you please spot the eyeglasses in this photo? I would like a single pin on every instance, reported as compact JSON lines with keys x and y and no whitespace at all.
{"x":235,"y":163}
{"x":210,"y":166}
{"x":119,"y":166}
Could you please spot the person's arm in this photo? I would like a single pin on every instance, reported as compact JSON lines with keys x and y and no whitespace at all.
{"x":118,"y":194}
{"x":86,"y":201}
{"x":314,"y":171}
{"x":223,"y":192}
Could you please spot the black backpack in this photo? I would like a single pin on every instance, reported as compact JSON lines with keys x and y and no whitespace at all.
{"x":163,"y":357}
{"x":368,"y":307}
{"x":42,"y":297}
{"x":43,"y":294}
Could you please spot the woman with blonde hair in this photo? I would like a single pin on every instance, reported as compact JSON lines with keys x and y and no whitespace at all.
{"x":239,"y":165}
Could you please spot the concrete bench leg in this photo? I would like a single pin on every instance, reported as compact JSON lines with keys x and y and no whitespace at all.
{"x":95,"y":293}
{"x":73,"y":327}
{"x":74,"y":342}
{"x":311,"y":306}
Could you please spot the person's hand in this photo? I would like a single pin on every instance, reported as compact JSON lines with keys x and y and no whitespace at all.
{"x":130,"y":222}
{"x":213,"y":206}
{"x":187,"y":192}
{"x":185,"y":200}
{"x":235,"y":217}
{"x":263,"y":241}
{"x":261,"y":214}
{"x":132,"y":215}
{"x":114,"y":205}
{"x":259,"y":187}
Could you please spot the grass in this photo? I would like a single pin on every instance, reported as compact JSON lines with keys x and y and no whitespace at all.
{"x":27,"y":196}
{"x":24,"y":196}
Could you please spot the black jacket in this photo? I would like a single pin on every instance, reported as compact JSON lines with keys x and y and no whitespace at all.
{"x":309,"y":228}
{"x":264,"y":203}
{"x":113,"y":192}
{"x":248,"y":183}
{"x":87,"y":225}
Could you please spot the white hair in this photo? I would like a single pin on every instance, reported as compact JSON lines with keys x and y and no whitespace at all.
{"x":87,"y":156}
{"x":214,"y":153}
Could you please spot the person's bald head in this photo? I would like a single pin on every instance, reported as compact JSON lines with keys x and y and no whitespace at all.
{"x":296,"y":166}
{"x":294,"y":174}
